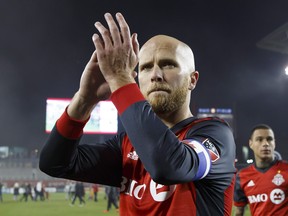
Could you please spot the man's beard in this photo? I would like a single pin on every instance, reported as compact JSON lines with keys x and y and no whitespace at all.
{"x":170,"y":102}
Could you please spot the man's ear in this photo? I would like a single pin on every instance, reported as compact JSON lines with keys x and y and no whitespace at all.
{"x":194,"y":78}
{"x":250,"y":143}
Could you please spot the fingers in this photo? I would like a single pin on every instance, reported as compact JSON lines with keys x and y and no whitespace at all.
{"x":105,"y":34}
{"x":114,"y":31}
{"x":98,"y":43}
{"x":135,"y":44}
{"x":125,"y":30}
{"x":93,"y":57}
{"x":113,"y":36}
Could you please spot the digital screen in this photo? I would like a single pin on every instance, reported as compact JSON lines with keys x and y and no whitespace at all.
{"x":103,"y":119}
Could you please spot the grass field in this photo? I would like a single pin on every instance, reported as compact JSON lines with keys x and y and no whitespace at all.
{"x":56,"y":206}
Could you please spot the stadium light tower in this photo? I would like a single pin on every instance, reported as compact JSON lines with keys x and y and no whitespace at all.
{"x":286,"y":71}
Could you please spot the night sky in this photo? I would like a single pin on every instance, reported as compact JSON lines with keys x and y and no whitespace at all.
{"x":44,"y":46}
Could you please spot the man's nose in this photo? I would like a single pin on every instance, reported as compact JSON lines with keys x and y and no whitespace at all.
{"x":265,"y":142}
{"x":157,"y":74}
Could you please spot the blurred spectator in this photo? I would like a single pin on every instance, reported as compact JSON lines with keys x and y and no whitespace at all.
{"x":95,"y":188}
{"x":79,"y":193}
{"x":67,"y":190}
{"x":16,"y":191}
{"x":112,"y":194}
{"x":1,"y":186}
{"x":39,"y":191}
{"x":27,"y":192}
{"x":72,"y":189}
{"x":45,"y":192}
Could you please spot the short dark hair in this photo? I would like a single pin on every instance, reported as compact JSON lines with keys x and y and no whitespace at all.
{"x":259,"y":126}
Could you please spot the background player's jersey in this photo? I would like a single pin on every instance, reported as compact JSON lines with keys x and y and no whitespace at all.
{"x":266,"y":191}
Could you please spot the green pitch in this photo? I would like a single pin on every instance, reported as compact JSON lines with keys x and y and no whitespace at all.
{"x":57,"y":205}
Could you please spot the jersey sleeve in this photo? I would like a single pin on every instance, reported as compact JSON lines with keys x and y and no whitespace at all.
{"x":167,"y":159}
{"x":216,"y":136}
{"x":203,"y":158}
{"x":63,"y":157}
{"x":240,"y":200}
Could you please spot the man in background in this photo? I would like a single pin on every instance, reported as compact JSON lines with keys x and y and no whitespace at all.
{"x":79,"y":193}
{"x":112,"y":194}
{"x":1,"y":196}
{"x":264,"y":184}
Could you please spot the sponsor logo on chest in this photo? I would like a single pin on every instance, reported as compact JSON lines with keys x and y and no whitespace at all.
{"x":158,"y":192}
{"x":276,"y":196}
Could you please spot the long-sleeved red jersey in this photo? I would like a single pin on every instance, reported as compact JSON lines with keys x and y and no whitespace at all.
{"x":184,"y":170}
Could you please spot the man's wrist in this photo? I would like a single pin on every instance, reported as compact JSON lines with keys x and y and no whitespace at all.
{"x":80,"y":108}
{"x":119,"y":82}
{"x":70,"y":128}
{"x":123,"y":97}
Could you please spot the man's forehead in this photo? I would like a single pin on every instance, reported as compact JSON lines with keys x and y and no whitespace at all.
{"x":163,"y":51}
{"x":162,"y":39}
{"x":158,"y":46}
{"x":152,"y":51}
{"x":263,"y":133}
{"x":163,"y":47}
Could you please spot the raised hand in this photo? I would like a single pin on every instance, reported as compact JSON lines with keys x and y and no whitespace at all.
{"x":110,"y":67}
{"x":117,"y":51}
{"x":93,"y":86}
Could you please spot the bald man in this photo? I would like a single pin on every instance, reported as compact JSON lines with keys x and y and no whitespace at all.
{"x":166,"y":162}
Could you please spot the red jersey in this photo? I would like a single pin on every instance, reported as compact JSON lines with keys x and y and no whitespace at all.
{"x":140,"y":195}
{"x":187,"y":169}
{"x":265,"y":191}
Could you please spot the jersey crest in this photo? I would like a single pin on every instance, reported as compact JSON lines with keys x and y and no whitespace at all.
{"x":214,"y":154}
{"x":278,"y":179}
